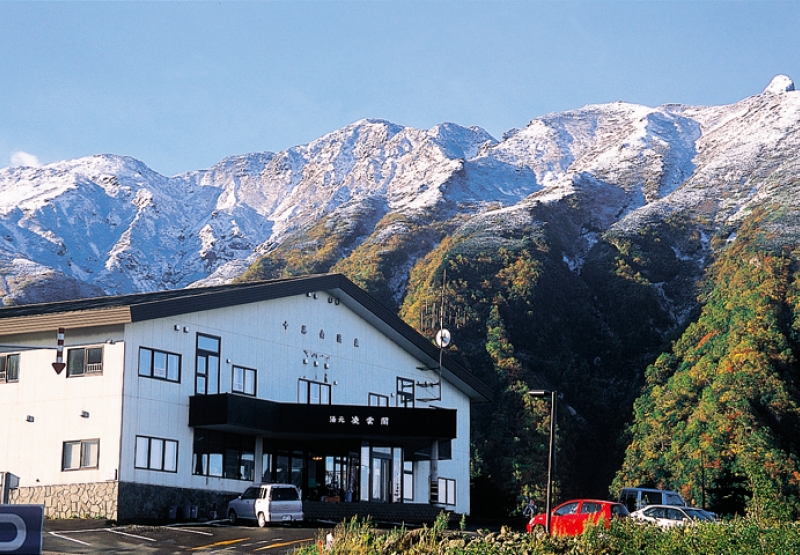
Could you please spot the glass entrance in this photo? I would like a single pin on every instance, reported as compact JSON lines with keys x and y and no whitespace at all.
{"x":381,"y":477}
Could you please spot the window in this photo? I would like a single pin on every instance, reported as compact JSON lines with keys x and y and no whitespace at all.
{"x":9,"y":368}
{"x":154,"y":453}
{"x":207,"y":369}
{"x":405,"y":393}
{"x":408,"y":481}
{"x":651,"y":497}
{"x":244,"y":380}
{"x":159,"y":364}
{"x":378,"y":400}
{"x":313,"y":393}
{"x":288,"y":467}
{"x":675,"y":514}
{"x":447,"y":491}
{"x":222,"y":454}
{"x":588,"y":507}
{"x":283,"y":494}
{"x":568,"y":509}
{"x":80,"y":454}
{"x":84,"y":361}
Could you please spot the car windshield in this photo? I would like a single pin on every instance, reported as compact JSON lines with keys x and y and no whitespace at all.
{"x":250,"y":493}
{"x":673,"y":499}
{"x":696,"y":514}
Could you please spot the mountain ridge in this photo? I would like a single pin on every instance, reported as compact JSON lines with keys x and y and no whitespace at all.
{"x":634,"y":155}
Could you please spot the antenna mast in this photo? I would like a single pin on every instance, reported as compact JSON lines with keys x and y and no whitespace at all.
{"x":442,"y":340}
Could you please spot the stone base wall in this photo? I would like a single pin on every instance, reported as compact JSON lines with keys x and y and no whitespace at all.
{"x":124,"y":501}
{"x":145,"y":502}
{"x":93,"y":500}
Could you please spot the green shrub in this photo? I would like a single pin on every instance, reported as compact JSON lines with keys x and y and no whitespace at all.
{"x":735,"y":537}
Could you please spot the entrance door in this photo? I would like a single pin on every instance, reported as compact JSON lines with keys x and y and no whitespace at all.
{"x":381,"y":478}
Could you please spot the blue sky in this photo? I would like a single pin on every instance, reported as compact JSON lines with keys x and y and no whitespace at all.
{"x":181,"y":85}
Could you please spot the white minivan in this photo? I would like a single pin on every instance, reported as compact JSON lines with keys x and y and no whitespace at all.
{"x":267,"y":503}
{"x":639,"y":498}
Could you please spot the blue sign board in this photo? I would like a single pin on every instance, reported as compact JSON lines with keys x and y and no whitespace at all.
{"x":21,"y":529}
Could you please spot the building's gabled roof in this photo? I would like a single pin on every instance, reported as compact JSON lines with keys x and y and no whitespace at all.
{"x":161,"y":304}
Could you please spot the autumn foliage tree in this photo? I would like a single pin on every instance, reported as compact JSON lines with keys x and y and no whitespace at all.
{"x":719,"y":417}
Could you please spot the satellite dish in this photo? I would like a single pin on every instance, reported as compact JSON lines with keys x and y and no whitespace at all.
{"x":442,"y":338}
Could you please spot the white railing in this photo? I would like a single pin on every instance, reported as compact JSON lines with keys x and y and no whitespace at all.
{"x":94,"y":368}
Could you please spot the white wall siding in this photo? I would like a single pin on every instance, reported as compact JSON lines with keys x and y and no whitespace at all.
{"x":33,"y":450}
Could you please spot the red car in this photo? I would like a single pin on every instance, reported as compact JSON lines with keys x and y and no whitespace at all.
{"x":570,"y":518}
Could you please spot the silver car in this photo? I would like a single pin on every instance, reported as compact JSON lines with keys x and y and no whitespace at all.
{"x":267,"y":503}
{"x":667,"y":516}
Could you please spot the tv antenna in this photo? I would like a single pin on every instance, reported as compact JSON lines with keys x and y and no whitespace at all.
{"x":441,"y":338}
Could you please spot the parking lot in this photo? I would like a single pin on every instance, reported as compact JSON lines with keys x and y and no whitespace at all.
{"x":97,"y":536}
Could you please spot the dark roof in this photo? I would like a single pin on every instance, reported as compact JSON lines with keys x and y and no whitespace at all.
{"x":162,"y":304}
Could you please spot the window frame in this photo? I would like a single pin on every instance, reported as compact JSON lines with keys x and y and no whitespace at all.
{"x":223,"y":454}
{"x":83,"y":445}
{"x":377,"y":400}
{"x":153,"y":353}
{"x":148,"y":456}
{"x":408,"y":481}
{"x":207,"y":356}
{"x":245,"y":371}
{"x":402,"y":397}
{"x":304,"y":392}
{"x":447,"y":491}
{"x":85,"y":364}
{"x":6,"y":368}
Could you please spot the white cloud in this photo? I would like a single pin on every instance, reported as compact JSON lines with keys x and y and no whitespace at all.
{"x":20,"y":158}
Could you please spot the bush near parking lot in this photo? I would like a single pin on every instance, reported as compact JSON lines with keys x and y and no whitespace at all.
{"x":735,"y":537}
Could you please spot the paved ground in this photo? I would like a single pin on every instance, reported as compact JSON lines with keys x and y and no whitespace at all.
{"x":97,"y":536}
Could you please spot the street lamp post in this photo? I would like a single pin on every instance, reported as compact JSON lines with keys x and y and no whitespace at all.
{"x":553,"y":397}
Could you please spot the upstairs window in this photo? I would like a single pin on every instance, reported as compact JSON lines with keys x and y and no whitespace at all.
{"x":84,"y":361}
{"x":378,"y":400}
{"x":405,"y":393}
{"x":9,"y":368}
{"x":313,"y":393}
{"x":207,"y":364}
{"x":244,"y":380}
{"x":159,"y":365}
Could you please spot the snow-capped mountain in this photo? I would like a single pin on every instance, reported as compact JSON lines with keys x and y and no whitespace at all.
{"x":109,"y":224}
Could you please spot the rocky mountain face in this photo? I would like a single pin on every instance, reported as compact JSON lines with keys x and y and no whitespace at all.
{"x":109,"y":222}
{"x":574,"y":246}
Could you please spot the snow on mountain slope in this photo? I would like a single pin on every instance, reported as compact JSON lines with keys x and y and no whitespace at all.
{"x":111,"y":222}
{"x":740,"y":146}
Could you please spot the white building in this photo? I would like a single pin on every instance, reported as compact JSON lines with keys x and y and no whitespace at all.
{"x":184,"y":398}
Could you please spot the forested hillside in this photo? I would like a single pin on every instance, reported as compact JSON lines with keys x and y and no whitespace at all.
{"x":719,"y":418}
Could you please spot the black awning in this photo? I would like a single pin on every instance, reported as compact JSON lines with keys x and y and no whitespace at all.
{"x":291,"y":421}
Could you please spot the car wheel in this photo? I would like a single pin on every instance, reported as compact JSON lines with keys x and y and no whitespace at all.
{"x":538,"y":531}
{"x":232,"y":516}
{"x":262,"y":520}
